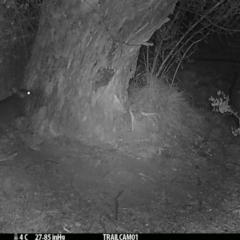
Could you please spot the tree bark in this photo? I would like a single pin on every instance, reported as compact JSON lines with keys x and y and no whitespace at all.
{"x":84,"y":56}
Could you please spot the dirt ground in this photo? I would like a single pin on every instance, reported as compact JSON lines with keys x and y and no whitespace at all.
{"x":67,"y":187}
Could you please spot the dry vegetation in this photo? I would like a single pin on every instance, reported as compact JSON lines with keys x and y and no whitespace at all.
{"x":154,"y":93}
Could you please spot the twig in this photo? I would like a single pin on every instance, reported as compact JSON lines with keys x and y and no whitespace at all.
{"x":9,"y":157}
{"x":183,"y":56}
{"x":116,"y":205}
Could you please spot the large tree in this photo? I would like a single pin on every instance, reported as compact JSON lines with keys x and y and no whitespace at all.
{"x":83,"y":58}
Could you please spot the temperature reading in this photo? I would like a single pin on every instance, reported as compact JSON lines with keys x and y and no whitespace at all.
{"x":21,"y":237}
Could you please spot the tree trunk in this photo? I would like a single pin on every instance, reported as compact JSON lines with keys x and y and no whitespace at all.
{"x":84,"y":56}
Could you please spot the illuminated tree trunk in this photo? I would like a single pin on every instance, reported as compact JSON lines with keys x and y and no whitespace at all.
{"x":84,"y":56}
